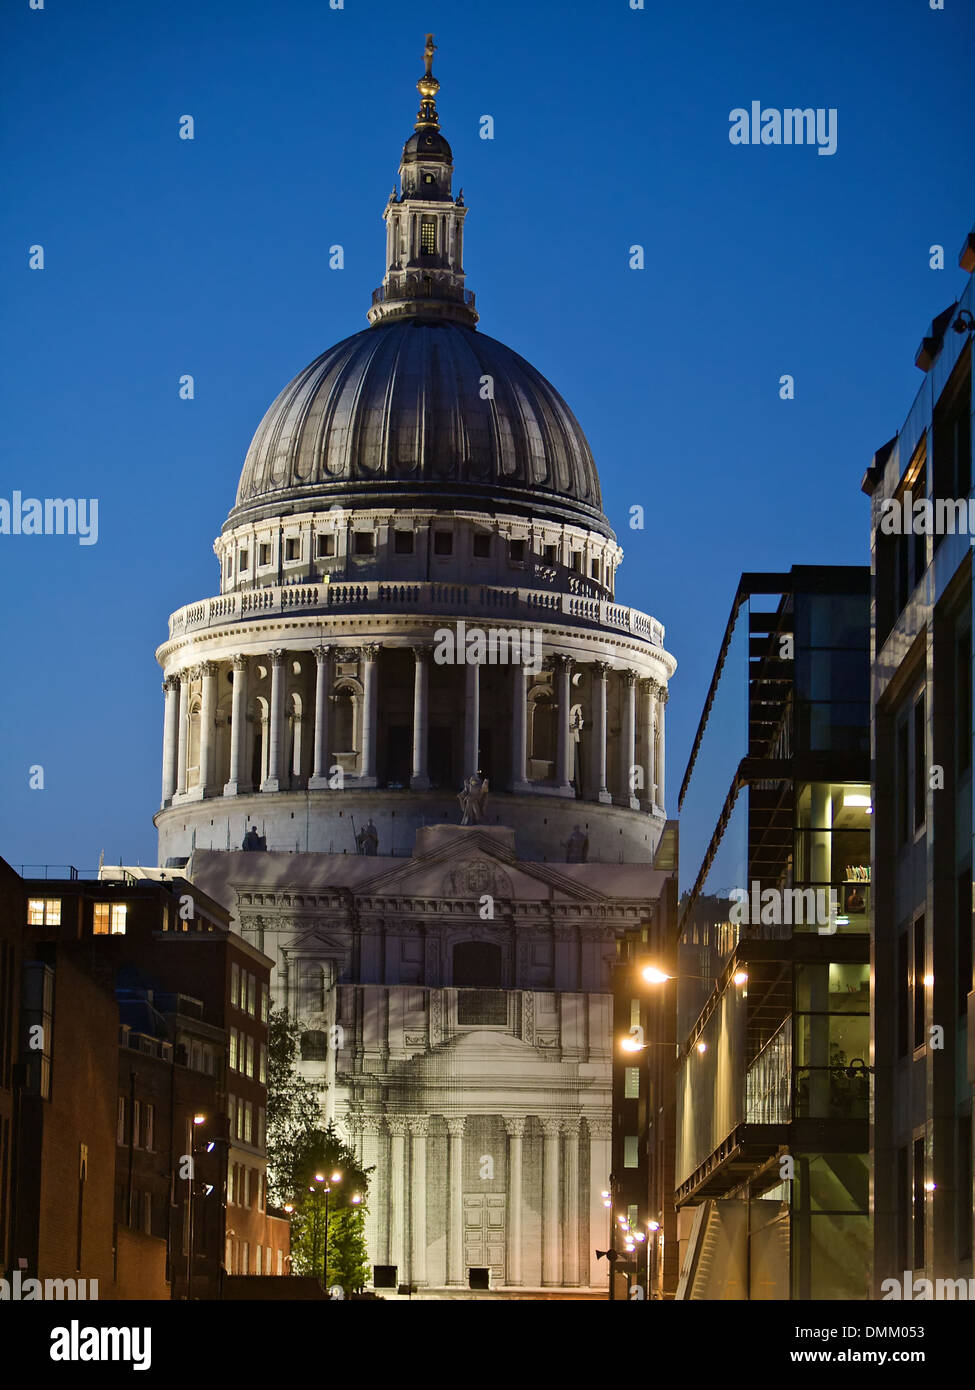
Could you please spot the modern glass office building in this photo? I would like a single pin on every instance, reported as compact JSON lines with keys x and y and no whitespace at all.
{"x":773,"y":1022}
{"x":922,"y":510}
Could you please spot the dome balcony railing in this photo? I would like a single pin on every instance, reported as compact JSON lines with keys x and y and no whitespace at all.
{"x":377,"y":596}
{"x":411,"y":290}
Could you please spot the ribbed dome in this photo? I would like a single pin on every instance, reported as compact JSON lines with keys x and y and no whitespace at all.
{"x":396,"y":416}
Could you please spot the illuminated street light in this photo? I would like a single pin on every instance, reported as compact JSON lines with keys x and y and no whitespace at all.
{"x":653,"y":976}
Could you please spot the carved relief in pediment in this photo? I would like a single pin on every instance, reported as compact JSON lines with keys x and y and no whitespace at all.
{"x":475,"y":878}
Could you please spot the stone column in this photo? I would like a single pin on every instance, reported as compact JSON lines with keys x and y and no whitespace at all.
{"x":551,"y":1252}
{"x":570,"y":1254}
{"x":239,"y":771}
{"x":662,"y":698}
{"x":419,"y":1126}
{"x":370,"y":705}
{"x":648,"y":689}
{"x":514,"y":1127}
{"x":183,"y":731}
{"x":420,"y":780}
{"x":371,"y":1130}
{"x":397,"y":1190}
{"x":563,"y":694}
{"x":600,"y":1163}
{"x":600,"y":735}
{"x":208,"y":726}
{"x":472,"y":717}
{"x":628,"y":740}
{"x":295,"y":769}
{"x":519,"y":726}
{"x":275,"y":733}
{"x":170,"y":736}
{"x":320,"y":764}
{"x":455,"y":1189}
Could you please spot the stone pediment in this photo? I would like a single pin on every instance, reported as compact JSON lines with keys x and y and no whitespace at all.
{"x":317,"y":941}
{"x":464,"y":861}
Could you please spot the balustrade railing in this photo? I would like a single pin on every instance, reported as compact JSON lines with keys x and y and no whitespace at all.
{"x":461,"y":600}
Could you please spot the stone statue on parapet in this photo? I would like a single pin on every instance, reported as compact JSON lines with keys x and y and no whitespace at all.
{"x":577,"y":847}
{"x":473,"y":800}
{"x":254,"y":841}
{"x":367,"y":840}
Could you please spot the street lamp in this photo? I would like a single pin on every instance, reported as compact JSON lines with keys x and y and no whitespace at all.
{"x":335,"y":1178}
{"x":198,"y":1120}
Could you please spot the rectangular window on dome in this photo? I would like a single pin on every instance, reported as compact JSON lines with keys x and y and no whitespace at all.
{"x":428,"y":236}
{"x":325,"y":546}
{"x":365,"y":543}
{"x":482,"y":546}
{"x":264,"y":555}
{"x":292,"y":548}
{"x":551,"y":555}
{"x":402,"y":542}
{"x":245,"y":560}
{"x":516,"y":552}
{"x":443,"y":543}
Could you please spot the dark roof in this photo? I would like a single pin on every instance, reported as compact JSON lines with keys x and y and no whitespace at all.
{"x":398,"y":416}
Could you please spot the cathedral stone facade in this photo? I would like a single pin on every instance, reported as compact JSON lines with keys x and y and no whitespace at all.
{"x":416,"y":626}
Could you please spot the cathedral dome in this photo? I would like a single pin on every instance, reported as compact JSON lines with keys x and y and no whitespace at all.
{"x":402,"y":414}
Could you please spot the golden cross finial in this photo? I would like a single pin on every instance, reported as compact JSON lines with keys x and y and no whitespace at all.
{"x":428,"y":55}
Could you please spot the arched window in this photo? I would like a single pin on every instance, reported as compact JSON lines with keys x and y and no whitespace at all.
{"x":543,"y":730}
{"x":193,"y":740}
{"x":344,"y":720}
{"x":294,"y":737}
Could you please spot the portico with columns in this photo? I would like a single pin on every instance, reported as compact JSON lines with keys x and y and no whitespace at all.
{"x":472,"y":1067}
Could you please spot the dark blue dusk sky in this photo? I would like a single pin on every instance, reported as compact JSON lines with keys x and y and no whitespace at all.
{"x":210,"y":257}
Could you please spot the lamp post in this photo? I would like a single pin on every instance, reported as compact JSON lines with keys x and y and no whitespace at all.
{"x":326,"y":1188}
{"x":198,"y":1120}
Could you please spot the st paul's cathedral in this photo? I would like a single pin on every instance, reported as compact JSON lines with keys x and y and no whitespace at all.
{"x":417,"y":749}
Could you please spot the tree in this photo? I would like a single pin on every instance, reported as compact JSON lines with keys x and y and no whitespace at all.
{"x":348,"y":1259}
{"x":322,"y":1154}
{"x":298,"y":1149}
{"x":294,"y":1110}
